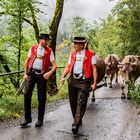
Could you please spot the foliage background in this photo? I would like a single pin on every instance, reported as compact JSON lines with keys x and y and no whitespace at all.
{"x":119,"y":33}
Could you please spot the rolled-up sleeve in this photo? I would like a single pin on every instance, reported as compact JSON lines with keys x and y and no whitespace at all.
{"x":93,"y":60}
{"x":52,"y":56}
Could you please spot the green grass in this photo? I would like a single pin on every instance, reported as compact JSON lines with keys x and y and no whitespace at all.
{"x":12,"y":106}
{"x":134,"y":92}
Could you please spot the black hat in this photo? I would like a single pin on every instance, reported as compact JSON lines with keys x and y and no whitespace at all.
{"x":45,"y":36}
{"x":79,"y":40}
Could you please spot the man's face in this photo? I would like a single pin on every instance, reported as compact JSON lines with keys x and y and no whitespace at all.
{"x":78,"y":46}
{"x":43,"y":42}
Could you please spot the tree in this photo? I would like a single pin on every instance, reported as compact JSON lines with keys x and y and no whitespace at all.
{"x":21,"y":11}
{"x":27,"y":8}
{"x":79,"y":27}
{"x":18,"y":12}
{"x":127,"y":13}
{"x":53,"y":33}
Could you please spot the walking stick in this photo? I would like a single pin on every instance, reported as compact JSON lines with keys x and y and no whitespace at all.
{"x":20,"y":90}
{"x":21,"y":87}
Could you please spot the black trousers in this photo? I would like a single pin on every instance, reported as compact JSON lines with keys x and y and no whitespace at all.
{"x":41,"y":92}
{"x":78,"y":98}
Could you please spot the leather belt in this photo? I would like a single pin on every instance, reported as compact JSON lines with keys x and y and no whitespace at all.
{"x":78,"y":76}
{"x":37,"y":72}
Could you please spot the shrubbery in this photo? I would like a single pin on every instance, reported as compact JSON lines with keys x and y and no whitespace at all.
{"x":135,"y":93}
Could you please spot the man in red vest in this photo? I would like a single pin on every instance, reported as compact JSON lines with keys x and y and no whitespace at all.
{"x":37,"y":72}
{"x":82,"y":69}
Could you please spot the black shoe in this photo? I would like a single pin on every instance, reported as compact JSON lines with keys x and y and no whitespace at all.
{"x":75,"y":129}
{"x":93,"y":99}
{"x":25,"y":123}
{"x":38,"y":123}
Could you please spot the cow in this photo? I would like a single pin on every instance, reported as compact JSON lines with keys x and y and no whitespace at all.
{"x":111,"y":62}
{"x":100,"y":70}
{"x":129,"y":71}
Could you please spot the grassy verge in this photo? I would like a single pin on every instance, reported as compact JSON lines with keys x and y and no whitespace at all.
{"x":12,"y":106}
{"x":134,"y":92}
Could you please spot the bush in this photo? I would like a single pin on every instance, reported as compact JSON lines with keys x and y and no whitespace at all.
{"x":134,"y":92}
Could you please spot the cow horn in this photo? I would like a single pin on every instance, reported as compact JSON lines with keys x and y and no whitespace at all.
{"x":119,"y":63}
{"x":135,"y":63}
{"x":138,"y":57}
{"x":109,"y":63}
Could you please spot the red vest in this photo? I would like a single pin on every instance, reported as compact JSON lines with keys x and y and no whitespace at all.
{"x":87,"y":66}
{"x":45,"y":60}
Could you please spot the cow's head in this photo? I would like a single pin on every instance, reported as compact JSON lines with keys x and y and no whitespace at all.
{"x":110,"y":66}
{"x":127,"y":70}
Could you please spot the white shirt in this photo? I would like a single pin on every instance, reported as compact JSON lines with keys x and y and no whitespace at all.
{"x":78,"y":66}
{"x":38,"y":62}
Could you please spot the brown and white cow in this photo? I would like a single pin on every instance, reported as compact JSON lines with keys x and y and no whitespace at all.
{"x":111,"y":62}
{"x":129,"y":71}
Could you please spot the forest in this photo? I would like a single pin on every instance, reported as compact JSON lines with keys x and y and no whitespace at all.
{"x":21,"y":24}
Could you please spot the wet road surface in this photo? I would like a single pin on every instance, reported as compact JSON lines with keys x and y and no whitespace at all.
{"x":108,"y":118}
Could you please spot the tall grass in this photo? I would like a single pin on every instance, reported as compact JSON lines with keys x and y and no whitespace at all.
{"x":134,"y":91}
{"x":12,"y":106}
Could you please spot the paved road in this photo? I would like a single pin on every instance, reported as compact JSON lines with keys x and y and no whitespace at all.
{"x":109,"y":118}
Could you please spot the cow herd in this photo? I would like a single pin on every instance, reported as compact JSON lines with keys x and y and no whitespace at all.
{"x":127,"y":69}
